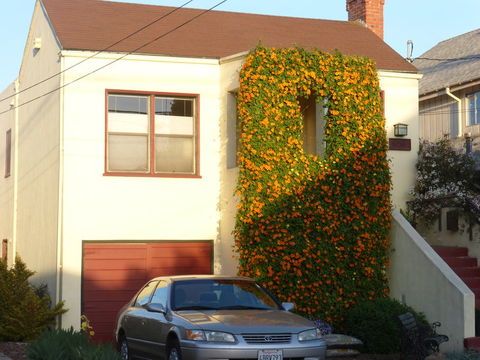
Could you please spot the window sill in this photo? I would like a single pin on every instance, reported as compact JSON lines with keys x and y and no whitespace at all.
{"x":181,"y":176}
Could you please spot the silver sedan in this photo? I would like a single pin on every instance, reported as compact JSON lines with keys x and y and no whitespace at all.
{"x":213,"y":317}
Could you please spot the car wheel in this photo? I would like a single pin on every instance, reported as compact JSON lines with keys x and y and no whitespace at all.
{"x":124,"y":350}
{"x":174,"y":352}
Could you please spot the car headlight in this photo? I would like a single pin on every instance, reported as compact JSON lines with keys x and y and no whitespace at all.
{"x":212,"y":336}
{"x":308,"y":335}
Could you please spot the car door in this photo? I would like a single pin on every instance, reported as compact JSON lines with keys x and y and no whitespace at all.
{"x":156,"y":323}
{"x":135,"y":320}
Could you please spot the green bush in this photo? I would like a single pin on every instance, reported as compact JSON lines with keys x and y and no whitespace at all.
{"x":60,"y":344}
{"x":23,"y":314}
{"x":375,"y":323}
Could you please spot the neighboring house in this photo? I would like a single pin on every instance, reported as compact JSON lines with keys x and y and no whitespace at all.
{"x":129,"y":172}
{"x":450,"y":90}
{"x":449,"y":106}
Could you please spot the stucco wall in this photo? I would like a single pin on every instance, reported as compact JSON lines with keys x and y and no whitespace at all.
{"x":37,"y":171}
{"x":230,"y":68}
{"x":401,"y":106}
{"x":131,"y":208}
{"x":421,"y":279}
{"x":7,"y":122}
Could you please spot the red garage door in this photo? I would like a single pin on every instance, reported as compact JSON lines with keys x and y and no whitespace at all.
{"x":113,"y":272}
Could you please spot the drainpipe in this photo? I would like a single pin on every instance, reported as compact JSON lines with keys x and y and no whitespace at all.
{"x":459,"y":102}
{"x":16,"y":127}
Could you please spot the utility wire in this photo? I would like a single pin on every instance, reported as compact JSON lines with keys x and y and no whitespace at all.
{"x":464,"y":58}
{"x":117,"y":59}
{"x":99,"y":51}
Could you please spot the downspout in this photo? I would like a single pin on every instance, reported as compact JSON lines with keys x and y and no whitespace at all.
{"x":59,"y":294}
{"x":459,"y":102}
{"x":15,"y":169}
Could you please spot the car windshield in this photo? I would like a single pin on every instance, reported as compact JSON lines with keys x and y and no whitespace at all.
{"x":215,"y":294}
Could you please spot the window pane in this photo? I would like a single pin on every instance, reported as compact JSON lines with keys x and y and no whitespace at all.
{"x":477,"y":108}
{"x":174,"y":154}
{"x":161,"y":294}
{"x":175,"y":125}
{"x":144,"y":296}
{"x":128,"y":123}
{"x":127,"y":153}
{"x":471,"y":109}
{"x":127,"y":104}
{"x":175,"y":107}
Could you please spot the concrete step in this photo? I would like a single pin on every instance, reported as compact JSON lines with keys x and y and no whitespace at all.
{"x":471,"y":282}
{"x":460,"y":261}
{"x":472,"y":343}
{"x":467,"y":272}
{"x":447,"y":251}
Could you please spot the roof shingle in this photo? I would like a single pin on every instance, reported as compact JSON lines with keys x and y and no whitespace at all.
{"x":460,"y":64}
{"x":95,"y":25}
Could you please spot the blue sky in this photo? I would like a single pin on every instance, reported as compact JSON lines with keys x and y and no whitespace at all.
{"x":426,"y":22}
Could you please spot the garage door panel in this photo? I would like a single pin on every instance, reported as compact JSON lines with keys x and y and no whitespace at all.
{"x":114,"y":252}
{"x":106,"y":295}
{"x":202,"y":249}
{"x":113,"y":273}
{"x":115,"y":264}
{"x":187,"y":270}
{"x":127,"y":285}
{"x":104,"y":307}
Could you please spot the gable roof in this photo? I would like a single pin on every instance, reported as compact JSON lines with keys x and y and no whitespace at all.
{"x":461,"y":63}
{"x":95,"y":25}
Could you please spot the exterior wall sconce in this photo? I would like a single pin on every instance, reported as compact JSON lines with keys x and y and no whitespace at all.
{"x":400,"y":129}
{"x":37,"y":43}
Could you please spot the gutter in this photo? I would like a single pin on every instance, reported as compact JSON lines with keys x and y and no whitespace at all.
{"x":459,"y":102}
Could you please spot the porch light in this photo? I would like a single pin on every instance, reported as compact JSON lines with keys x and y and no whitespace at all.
{"x":400,"y":129}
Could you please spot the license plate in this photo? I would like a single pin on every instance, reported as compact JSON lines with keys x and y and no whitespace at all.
{"x":270,"y":355}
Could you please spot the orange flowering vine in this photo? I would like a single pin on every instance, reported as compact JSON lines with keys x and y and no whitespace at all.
{"x":314,"y":229}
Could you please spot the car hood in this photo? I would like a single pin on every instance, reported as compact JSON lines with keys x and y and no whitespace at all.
{"x":246,"y":320}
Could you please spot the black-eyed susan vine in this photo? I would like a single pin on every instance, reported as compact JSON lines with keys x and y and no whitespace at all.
{"x":314,"y":230}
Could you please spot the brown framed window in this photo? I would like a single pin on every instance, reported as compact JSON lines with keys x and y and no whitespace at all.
{"x":8,"y":152}
{"x":152,"y":134}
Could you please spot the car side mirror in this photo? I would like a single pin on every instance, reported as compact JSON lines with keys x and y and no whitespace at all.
{"x":288,"y":306}
{"x":155,"y":307}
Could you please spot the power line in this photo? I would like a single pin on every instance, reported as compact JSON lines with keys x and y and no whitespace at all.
{"x":117,"y":59}
{"x":98,"y":52}
{"x":464,"y":58}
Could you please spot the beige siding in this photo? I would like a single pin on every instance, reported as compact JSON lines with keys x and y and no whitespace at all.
{"x":438,"y":118}
{"x":38,"y":155}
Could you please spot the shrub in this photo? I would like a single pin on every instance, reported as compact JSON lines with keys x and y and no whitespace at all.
{"x":375,"y":323}
{"x":60,"y":344}
{"x":445,"y":178}
{"x":23,"y":314}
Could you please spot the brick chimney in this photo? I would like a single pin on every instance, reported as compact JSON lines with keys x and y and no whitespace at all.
{"x":369,"y":12}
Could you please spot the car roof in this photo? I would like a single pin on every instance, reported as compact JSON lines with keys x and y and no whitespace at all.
{"x":174,"y":278}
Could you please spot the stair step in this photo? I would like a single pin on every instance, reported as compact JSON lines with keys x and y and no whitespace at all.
{"x":472,"y":343}
{"x":448,"y":251}
{"x":461,"y":261}
{"x":467,"y":272}
{"x":471,"y":282}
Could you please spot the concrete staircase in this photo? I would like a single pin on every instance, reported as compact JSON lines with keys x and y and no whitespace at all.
{"x":467,"y":269}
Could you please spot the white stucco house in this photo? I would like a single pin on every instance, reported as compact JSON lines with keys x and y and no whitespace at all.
{"x":121,"y":165}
